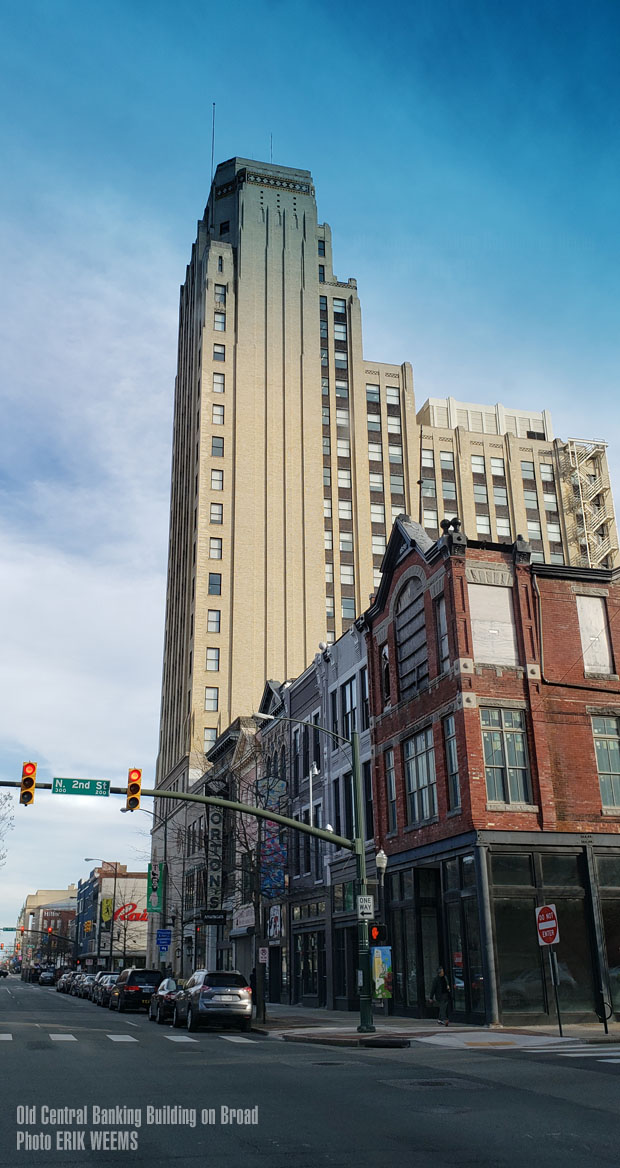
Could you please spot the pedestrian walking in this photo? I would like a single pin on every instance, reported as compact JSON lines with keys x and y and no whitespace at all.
{"x":440,"y":993}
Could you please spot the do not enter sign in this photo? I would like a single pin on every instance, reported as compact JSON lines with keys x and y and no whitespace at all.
{"x":547,"y":925}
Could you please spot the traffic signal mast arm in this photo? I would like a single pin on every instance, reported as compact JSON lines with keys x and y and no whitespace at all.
{"x":330,"y":837}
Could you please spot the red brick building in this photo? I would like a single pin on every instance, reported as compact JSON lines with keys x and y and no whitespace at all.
{"x":495,"y":707}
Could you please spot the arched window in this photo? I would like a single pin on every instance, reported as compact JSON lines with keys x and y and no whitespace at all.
{"x":411,"y":643}
{"x":385,"y":674}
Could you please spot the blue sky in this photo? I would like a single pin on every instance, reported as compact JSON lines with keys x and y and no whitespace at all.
{"x":467,"y":158}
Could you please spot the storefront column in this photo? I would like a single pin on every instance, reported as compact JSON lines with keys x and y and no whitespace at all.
{"x":486,"y":929}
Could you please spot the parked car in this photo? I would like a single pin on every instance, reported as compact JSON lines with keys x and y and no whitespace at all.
{"x":161,"y":1006}
{"x":87,"y":981}
{"x":103,"y":989}
{"x":214,"y":995}
{"x":75,"y":983}
{"x":61,"y":984}
{"x":92,"y":988}
{"x":133,"y":989}
{"x":46,"y":977}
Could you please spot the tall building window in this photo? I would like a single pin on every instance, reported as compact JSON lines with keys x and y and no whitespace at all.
{"x":213,"y":620}
{"x":373,"y":393}
{"x":215,"y":584}
{"x":344,"y":479}
{"x":364,"y":699}
{"x":220,"y":293}
{"x":327,"y":508}
{"x":339,"y":305}
{"x":216,"y":513}
{"x":505,"y":756}
{"x":374,"y":451}
{"x":219,"y":383}
{"x":330,"y":606}
{"x":368,"y":807}
{"x":321,"y":273}
{"x":348,"y":607}
{"x":335,"y":725}
{"x":503,"y":528}
{"x":607,"y":746}
{"x":483,"y":525}
{"x":420,"y":780}
{"x":411,"y":644}
{"x":348,"y":697}
{"x":210,"y":736}
{"x":345,"y":509}
{"x":326,"y":446}
{"x":527,"y":469}
{"x":217,"y":415}
{"x":340,"y":331}
{"x":213,"y":660}
{"x":321,"y":244}
{"x":374,"y":422}
{"x":477,"y":464}
{"x":449,"y":490}
{"x":546,"y":472}
{"x":441,"y":624}
{"x":328,"y":540}
{"x":347,"y":574}
{"x":393,"y":424}
{"x":376,"y":481}
{"x":377,"y":513}
{"x":211,"y":697}
{"x":220,"y":263}
{"x":215,"y":549}
{"x":500,"y":496}
{"x":341,"y":361}
{"x":452,"y":763}
{"x":343,"y":448}
{"x":329,"y":573}
{"x":327,"y":476}
{"x":397,"y":484}
{"x":428,"y":458}
{"x":378,"y":545}
{"x":446,"y":460}
{"x":342,"y":417}
{"x":219,"y":322}
{"x":497,"y":468}
{"x":390,"y":790}
{"x":224,"y":227}
{"x":346,"y":541}
{"x":217,"y":480}
{"x":217,"y":447}
{"x":219,"y":352}
{"x":392,"y":395}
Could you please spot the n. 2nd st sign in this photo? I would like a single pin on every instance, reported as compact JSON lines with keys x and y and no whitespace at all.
{"x":81,"y":787}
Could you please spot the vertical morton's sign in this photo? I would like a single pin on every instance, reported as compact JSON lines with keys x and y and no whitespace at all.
{"x":213,"y":876}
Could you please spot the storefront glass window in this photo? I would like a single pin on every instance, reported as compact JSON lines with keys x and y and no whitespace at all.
{"x":451,"y":874}
{"x":560,"y":870}
{"x":454,"y":971}
{"x":611,"y":926}
{"x":519,"y":970}
{"x":608,"y":868}
{"x":430,"y":946}
{"x":407,"y":885}
{"x":574,"y":961}
{"x":411,"y":956}
{"x":468,"y":871}
{"x":474,"y":953}
{"x":512,"y":868}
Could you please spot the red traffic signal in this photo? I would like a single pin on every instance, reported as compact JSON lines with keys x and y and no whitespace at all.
{"x":49,"y":929}
{"x":377,"y":934}
{"x":21,"y":928}
{"x":28,"y":784}
{"x":134,"y":787}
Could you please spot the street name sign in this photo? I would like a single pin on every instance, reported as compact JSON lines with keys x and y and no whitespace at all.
{"x":547,"y":925}
{"x":365,"y":908}
{"x":80,"y":786}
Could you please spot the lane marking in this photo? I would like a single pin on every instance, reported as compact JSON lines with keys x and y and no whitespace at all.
{"x":179,"y":1038}
{"x":128,"y":1023}
{"x":121,"y":1038}
{"x":610,"y":1060}
{"x":234,"y":1038}
{"x":6,"y":1037}
{"x":63,"y":1038}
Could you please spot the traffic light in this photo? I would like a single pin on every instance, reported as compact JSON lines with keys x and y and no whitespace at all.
{"x":29,"y":782}
{"x":377,"y":934}
{"x":134,"y":787}
{"x":49,"y":929}
{"x":21,"y":929}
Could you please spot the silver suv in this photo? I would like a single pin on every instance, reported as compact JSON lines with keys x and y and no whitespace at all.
{"x":220,"y":995}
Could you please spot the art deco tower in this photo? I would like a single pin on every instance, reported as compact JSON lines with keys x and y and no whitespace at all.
{"x":290,"y":457}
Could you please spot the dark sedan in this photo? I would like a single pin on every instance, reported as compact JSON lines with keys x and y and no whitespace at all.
{"x":161,"y":1007}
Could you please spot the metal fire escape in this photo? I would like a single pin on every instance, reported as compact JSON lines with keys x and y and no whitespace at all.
{"x":590,"y":502}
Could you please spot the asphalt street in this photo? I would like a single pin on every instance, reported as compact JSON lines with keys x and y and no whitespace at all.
{"x":431,"y":1104}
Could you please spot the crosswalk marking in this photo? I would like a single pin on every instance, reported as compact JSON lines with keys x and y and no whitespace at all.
{"x":121,"y":1038}
{"x":63,"y":1038}
{"x":234,"y":1038}
{"x":179,"y":1038}
{"x":6,"y":1037}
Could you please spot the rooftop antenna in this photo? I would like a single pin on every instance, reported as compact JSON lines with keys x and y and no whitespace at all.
{"x":212,"y":141}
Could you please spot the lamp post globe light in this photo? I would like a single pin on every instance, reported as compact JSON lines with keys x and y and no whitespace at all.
{"x":356,"y":845}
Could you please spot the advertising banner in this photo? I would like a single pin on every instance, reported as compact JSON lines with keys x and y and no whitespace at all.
{"x":381,"y":962}
{"x":154,"y":888}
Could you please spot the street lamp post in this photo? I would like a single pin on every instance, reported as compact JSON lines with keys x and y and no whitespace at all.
{"x":366,"y":1025}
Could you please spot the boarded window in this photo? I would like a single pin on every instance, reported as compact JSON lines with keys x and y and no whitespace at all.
{"x":411,"y":639}
{"x":493,"y":624}
{"x":595,"y":645}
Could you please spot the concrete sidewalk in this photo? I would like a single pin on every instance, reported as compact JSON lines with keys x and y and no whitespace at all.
{"x":339,"y":1028}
